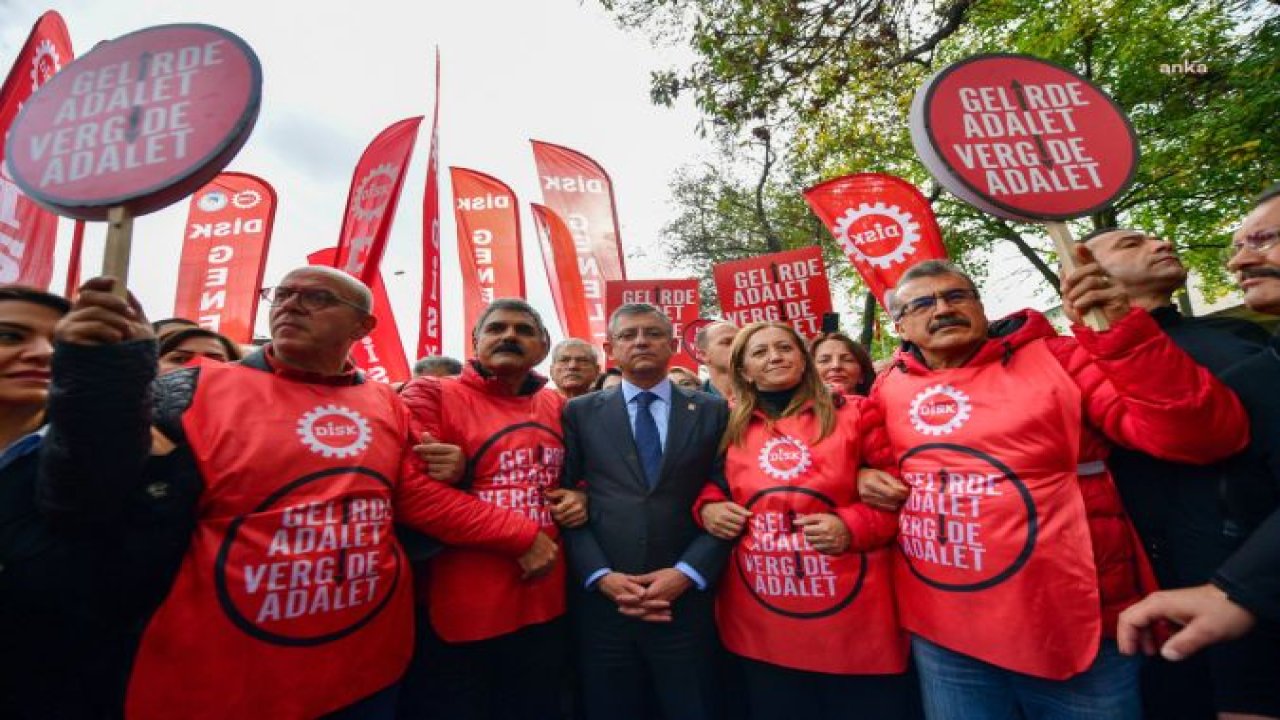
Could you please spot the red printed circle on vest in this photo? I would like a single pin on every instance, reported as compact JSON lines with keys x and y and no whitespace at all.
{"x":779,"y":567}
{"x":140,"y":121}
{"x":1022,"y":138}
{"x":334,"y":431}
{"x":939,"y":410}
{"x":314,"y":562}
{"x":970,"y":522}
{"x":784,"y":458}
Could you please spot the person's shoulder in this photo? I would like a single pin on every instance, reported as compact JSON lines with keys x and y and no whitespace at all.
{"x":592,"y":400}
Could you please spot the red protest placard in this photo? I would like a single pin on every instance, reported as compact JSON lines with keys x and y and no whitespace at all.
{"x":1022,"y":138}
{"x":138,"y":122}
{"x":676,"y":298}
{"x":788,"y":286}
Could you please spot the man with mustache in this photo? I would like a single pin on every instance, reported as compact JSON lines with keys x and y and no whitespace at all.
{"x":1016,"y":554}
{"x":493,"y":641}
{"x":1176,"y":507}
{"x":574,"y":367}
{"x":1245,"y":591}
{"x":255,"y":504}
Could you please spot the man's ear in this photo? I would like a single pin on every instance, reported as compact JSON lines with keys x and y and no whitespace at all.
{"x":608,"y":351}
{"x":366,"y":326}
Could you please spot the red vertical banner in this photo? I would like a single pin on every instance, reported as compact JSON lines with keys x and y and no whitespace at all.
{"x":676,"y":298}
{"x":579,"y":189}
{"x":789,"y":286}
{"x":371,"y":202}
{"x":224,"y":254}
{"x":28,"y":233}
{"x":488,"y":221}
{"x":563,"y":276}
{"x":380,"y":353}
{"x":882,"y":222}
{"x":430,"y":336}
{"x":73,"y":263}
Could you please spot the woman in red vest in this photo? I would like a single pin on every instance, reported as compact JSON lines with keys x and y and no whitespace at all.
{"x":807,"y":604}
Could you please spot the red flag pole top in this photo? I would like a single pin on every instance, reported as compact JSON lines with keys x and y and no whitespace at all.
{"x":134,"y":125}
{"x":1024,"y":139}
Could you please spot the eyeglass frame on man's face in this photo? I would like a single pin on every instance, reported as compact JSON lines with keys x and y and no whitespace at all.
{"x":310,"y":299}
{"x":1259,"y":242}
{"x":953,"y":296}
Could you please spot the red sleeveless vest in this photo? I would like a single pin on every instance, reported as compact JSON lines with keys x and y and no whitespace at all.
{"x":995,"y":557}
{"x":515,"y":451}
{"x":293,"y":599}
{"x":781,"y":601}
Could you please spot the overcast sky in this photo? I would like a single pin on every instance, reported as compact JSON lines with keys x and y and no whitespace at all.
{"x":335,"y":74}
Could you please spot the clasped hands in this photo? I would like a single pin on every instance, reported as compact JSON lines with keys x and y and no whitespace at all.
{"x":648,"y":597}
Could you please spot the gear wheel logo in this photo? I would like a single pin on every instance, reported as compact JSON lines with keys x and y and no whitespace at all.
{"x":44,"y":63}
{"x":334,"y":431}
{"x":784,"y":458}
{"x":246,"y":199}
{"x":212,"y":201}
{"x":373,"y":193}
{"x":939,"y":410}
{"x":879,"y":235}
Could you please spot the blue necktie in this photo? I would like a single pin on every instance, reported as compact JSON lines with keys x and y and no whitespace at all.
{"x":648,"y":442}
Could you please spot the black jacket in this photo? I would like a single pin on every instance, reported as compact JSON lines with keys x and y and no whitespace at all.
{"x":1179,"y":510}
{"x":1251,"y":577}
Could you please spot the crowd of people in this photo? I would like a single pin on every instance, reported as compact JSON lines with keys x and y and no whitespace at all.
{"x":1003,"y":522}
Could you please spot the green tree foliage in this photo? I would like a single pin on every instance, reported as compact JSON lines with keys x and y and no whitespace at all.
{"x":830,"y":82}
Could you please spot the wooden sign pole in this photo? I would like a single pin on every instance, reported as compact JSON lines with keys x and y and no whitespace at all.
{"x":1065,"y":245}
{"x":115,"y":261}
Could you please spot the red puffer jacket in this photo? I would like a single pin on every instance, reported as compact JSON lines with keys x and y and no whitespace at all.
{"x":1140,"y":391}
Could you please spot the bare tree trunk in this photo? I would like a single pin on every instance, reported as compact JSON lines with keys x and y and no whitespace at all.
{"x":868,"y":320}
{"x":772,"y":241}
{"x":1007,"y":232}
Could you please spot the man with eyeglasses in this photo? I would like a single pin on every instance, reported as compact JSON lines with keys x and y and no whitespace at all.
{"x":1245,"y":591}
{"x":271,"y":489}
{"x":574,"y":367}
{"x":644,"y":451}
{"x":1016,"y":555}
{"x":1176,"y":507}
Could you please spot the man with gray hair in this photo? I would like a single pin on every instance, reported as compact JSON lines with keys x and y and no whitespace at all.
{"x":643,"y":451}
{"x":712,"y":345}
{"x":264,"y":495}
{"x":574,"y":367}
{"x":437,"y":366}
{"x":1016,"y":554}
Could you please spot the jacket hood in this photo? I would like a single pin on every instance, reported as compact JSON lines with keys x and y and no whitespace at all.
{"x":1004,"y":337}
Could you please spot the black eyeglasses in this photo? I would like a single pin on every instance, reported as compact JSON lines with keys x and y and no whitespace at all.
{"x":954,"y":296}
{"x":310,"y":300}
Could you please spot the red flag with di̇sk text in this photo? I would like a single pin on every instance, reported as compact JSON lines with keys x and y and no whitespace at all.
{"x":28,"y":232}
{"x":561,"y":262}
{"x":789,"y":287}
{"x":371,"y":202}
{"x":224,"y":254}
{"x":579,"y":189}
{"x":882,"y":222}
{"x":488,"y":220}
{"x":380,"y":353}
{"x":430,"y":336}
{"x":676,"y":298}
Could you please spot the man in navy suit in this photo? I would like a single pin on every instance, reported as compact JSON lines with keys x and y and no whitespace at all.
{"x":643,"y":452}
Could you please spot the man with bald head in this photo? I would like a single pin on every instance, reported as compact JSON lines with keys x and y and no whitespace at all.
{"x":269,"y":488}
{"x":1176,"y":507}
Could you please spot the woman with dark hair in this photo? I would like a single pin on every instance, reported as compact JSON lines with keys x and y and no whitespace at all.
{"x":607,"y":379}
{"x":842,"y":363}
{"x":807,"y":605}
{"x":181,"y":347}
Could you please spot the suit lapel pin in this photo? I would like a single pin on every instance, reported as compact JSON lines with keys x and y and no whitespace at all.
{"x":690,"y":406}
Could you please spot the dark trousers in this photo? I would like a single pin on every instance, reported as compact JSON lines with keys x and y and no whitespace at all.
{"x":622,"y":657}
{"x":520,"y":676}
{"x":775,"y":692}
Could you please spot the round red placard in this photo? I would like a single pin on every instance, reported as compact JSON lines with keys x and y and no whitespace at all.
{"x":141,"y":121}
{"x":1022,"y":138}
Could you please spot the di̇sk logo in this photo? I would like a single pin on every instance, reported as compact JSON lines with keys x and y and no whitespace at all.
{"x":879,"y":235}
{"x":939,"y":410}
{"x":784,"y":458}
{"x":44,"y":63}
{"x":373,"y":193}
{"x":333,"y":431}
{"x":246,"y":199}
